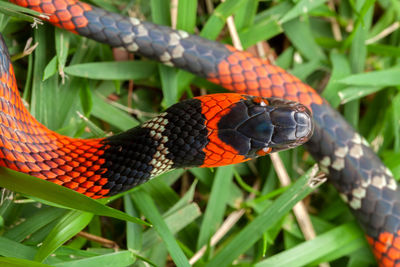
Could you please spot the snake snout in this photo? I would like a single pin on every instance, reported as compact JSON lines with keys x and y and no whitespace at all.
{"x":293,"y":126}
{"x":305,"y":125}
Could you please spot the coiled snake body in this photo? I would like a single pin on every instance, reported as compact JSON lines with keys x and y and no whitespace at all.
{"x":359,"y":175}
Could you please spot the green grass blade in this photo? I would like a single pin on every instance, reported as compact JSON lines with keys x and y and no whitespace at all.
{"x":14,"y":262}
{"x":149,"y":209}
{"x":62,"y":48}
{"x":358,"y":53}
{"x":19,"y":12}
{"x":387,"y":77}
{"x":160,"y":12}
{"x":356,"y":92}
{"x":71,"y":224}
{"x":116,"y":259}
{"x":44,"y":93}
{"x":34,"y":223}
{"x":187,"y":15}
{"x":169,"y":85}
{"x":300,"y":35}
{"x":262,"y":31}
{"x":309,"y":252}
{"x":176,"y":221}
{"x":215,"y":210}
{"x":217,"y":20}
{"x":396,"y":119}
{"x":301,"y":7}
{"x":133,"y":231}
{"x":50,"y":69}
{"x":121,"y":70}
{"x":183,"y":201}
{"x":162,"y":194}
{"x":109,"y":113}
{"x":51,"y":192}
{"x":384,"y":50}
{"x":255,"y":229}
{"x":304,"y":70}
{"x":244,"y":17}
{"x":10,"y":248}
{"x":340,"y":69}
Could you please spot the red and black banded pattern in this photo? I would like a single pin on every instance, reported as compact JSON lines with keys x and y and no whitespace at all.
{"x":206,"y":131}
{"x":195,"y":132}
{"x":364,"y":182}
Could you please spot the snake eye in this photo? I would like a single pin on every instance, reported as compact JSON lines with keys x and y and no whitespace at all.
{"x":261,"y":101}
{"x":264,"y":151}
{"x":301,"y":108}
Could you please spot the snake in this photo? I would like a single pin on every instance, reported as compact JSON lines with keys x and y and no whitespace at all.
{"x":228,"y":128}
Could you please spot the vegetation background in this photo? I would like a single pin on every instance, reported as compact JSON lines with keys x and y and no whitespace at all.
{"x":348,"y":50}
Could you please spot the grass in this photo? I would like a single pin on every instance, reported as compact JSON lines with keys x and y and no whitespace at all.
{"x":74,"y":86}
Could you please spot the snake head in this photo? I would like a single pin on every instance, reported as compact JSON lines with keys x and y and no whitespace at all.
{"x":292,"y":124}
{"x":257,"y":126}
